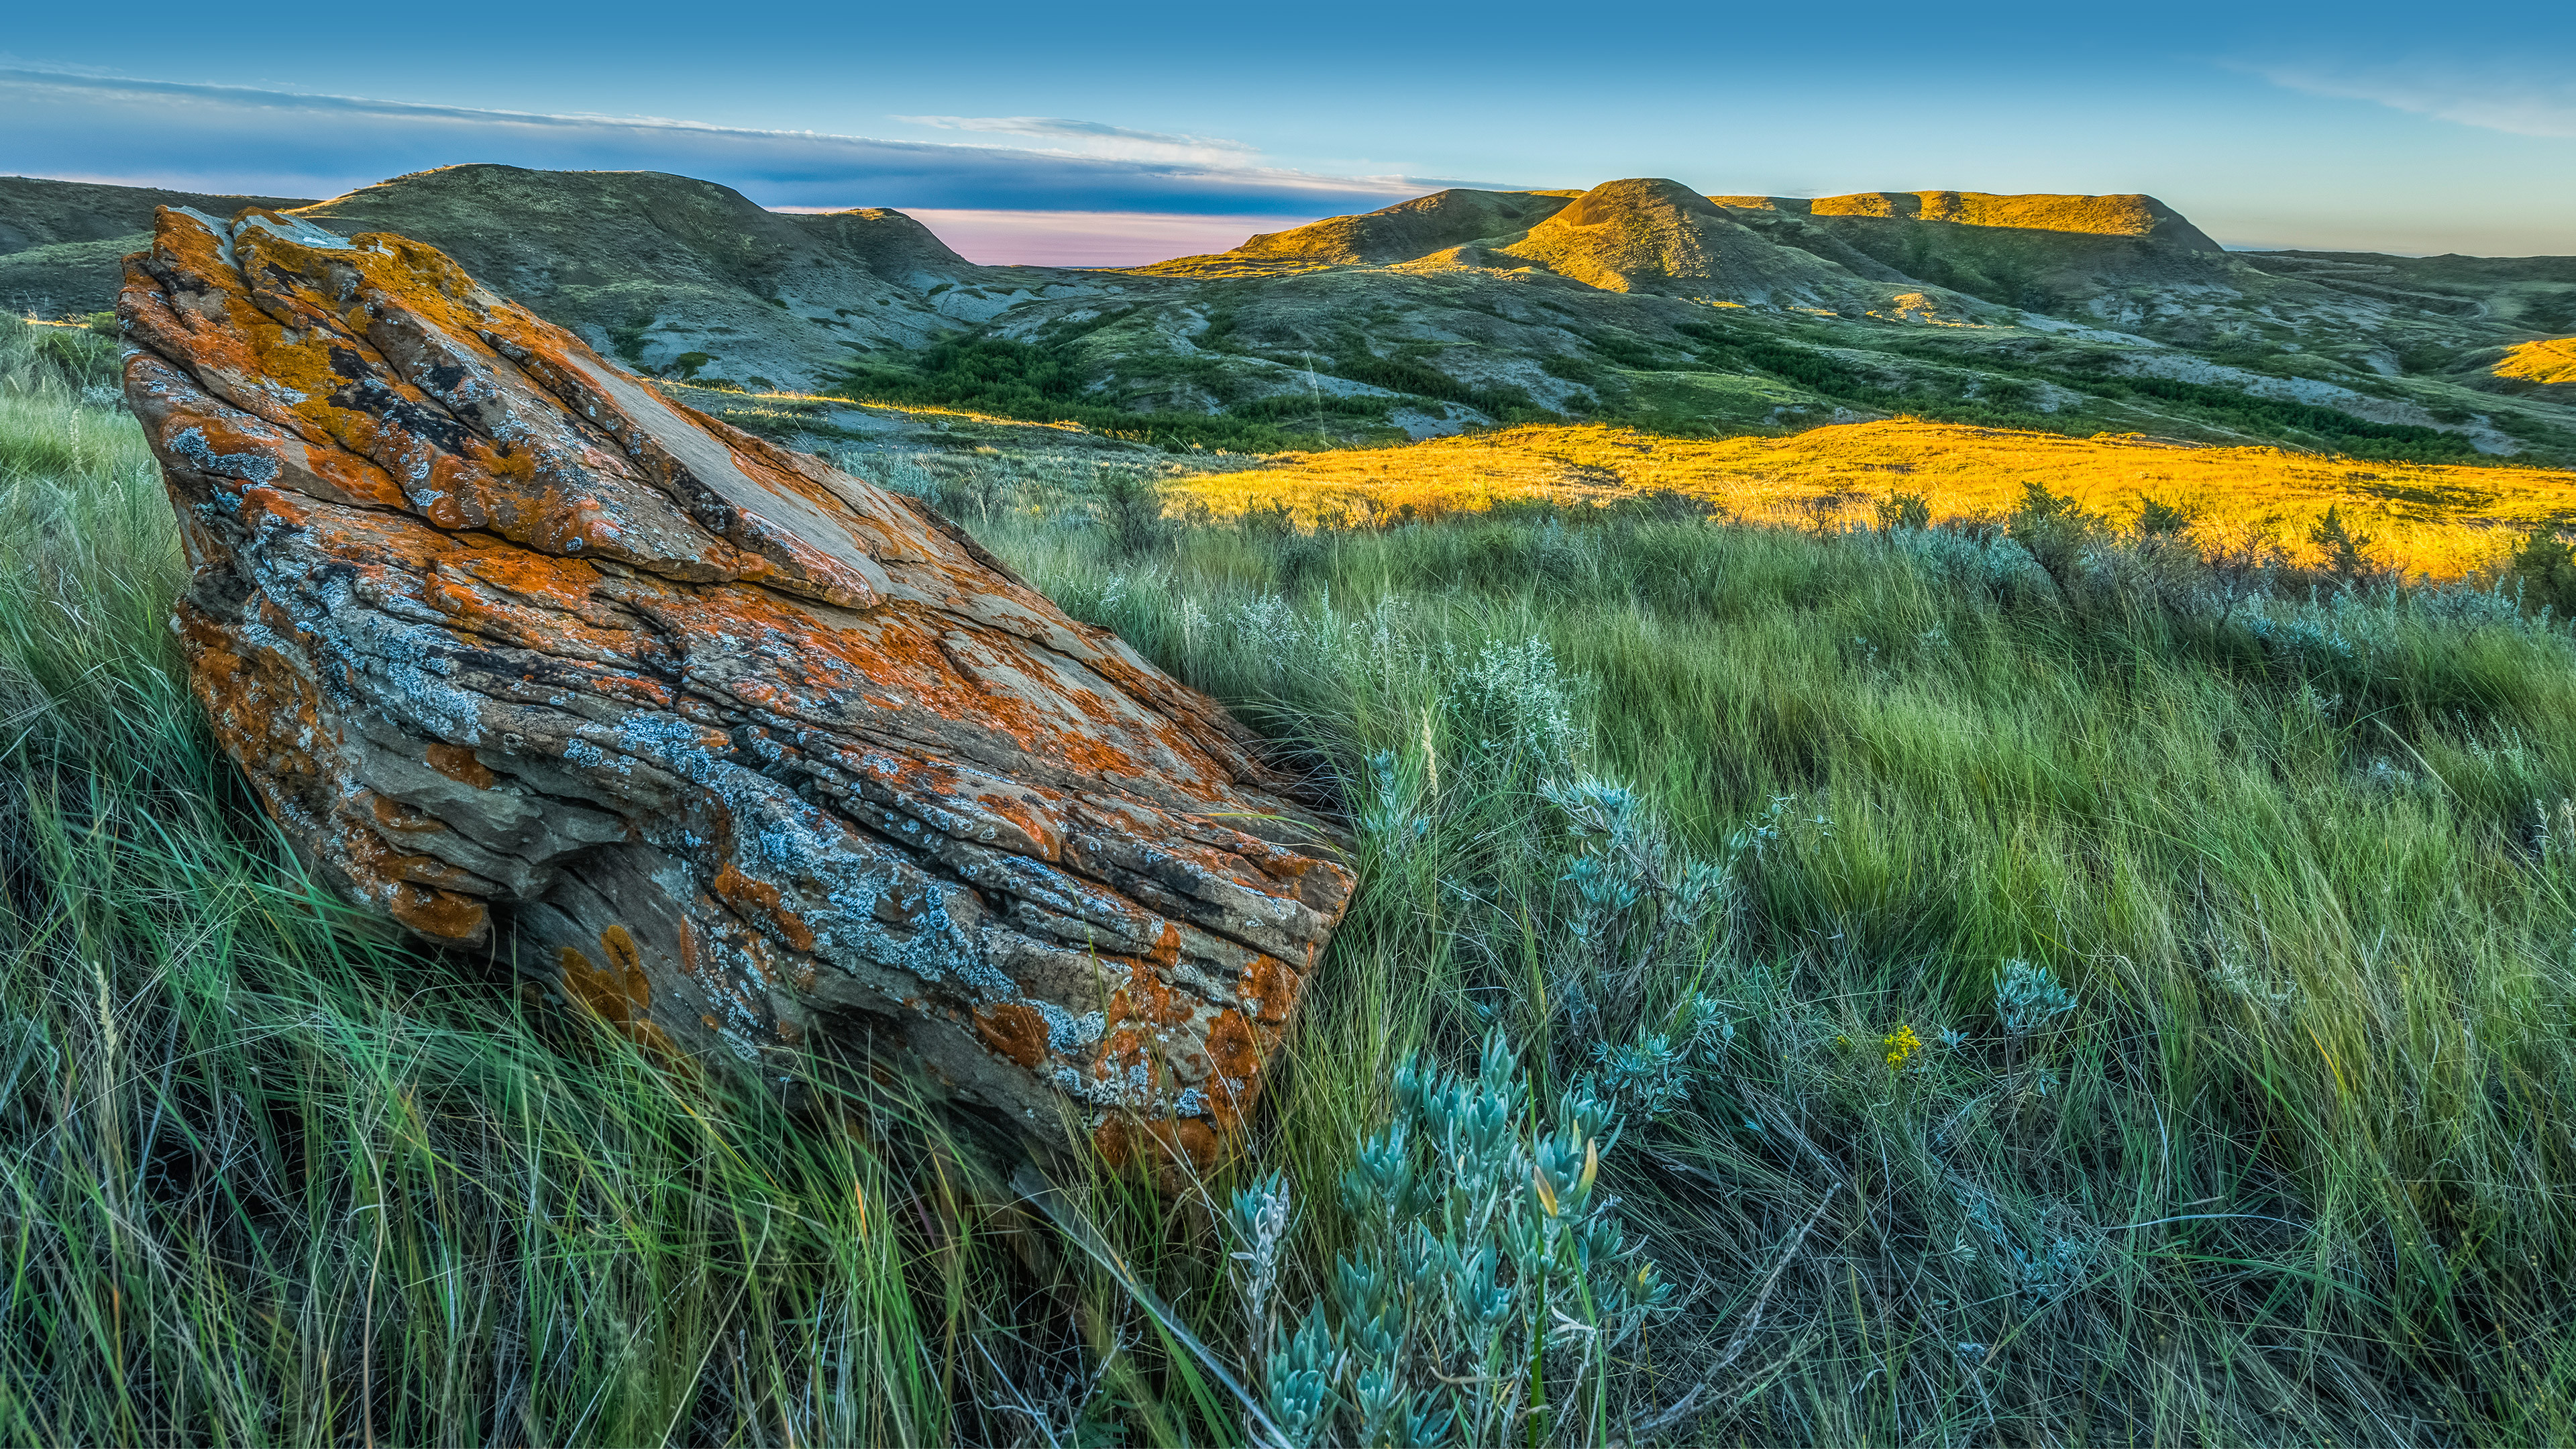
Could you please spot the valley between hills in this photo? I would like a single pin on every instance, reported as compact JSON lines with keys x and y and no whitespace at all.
{"x":1637,"y":303}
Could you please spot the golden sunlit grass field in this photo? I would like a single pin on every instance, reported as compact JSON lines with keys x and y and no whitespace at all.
{"x":2550,"y":360}
{"x":2445,"y":522}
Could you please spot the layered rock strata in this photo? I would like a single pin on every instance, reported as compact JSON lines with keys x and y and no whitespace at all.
{"x":730,"y":746}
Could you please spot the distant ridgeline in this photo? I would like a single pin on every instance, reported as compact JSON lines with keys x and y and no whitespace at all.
{"x":1638,"y":301}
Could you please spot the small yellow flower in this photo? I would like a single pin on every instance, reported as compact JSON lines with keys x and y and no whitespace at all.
{"x":1901,"y":1044}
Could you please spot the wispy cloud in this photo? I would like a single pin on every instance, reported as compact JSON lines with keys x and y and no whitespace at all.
{"x":1098,"y":138}
{"x":281,"y":143}
{"x":2520,"y":105}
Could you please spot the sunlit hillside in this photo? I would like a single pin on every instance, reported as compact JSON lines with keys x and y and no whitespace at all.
{"x":2127,"y":215}
{"x":2552,"y":361}
{"x":2445,"y":521}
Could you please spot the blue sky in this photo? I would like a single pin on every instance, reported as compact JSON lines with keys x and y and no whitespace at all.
{"x":1124,"y":133}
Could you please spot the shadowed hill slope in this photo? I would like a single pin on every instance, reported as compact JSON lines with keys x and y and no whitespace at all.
{"x":2534,"y":293}
{"x":35,"y":212}
{"x":566,"y":224}
{"x":671,"y":274}
{"x":658,"y":268}
{"x":60,"y":241}
{"x":545,"y":229}
{"x":890,"y":244}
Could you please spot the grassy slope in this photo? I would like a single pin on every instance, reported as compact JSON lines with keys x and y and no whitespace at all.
{"x":2289,"y":1173}
{"x":2446,"y":521}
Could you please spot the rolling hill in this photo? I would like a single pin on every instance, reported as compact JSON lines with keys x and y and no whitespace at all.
{"x":1397,"y":233}
{"x":1638,"y":301}
{"x":1659,"y":236}
{"x":672,"y":274}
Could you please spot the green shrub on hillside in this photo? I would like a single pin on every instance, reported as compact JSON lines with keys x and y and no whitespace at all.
{"x":2544,"y":570}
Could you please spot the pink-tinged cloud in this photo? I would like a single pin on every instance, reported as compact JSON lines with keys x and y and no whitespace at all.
{"x":1090,"y":238}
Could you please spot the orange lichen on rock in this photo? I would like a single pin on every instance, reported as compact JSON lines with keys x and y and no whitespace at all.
{"x":441,"y":915}
{"x":1014,"y":1029}
{"x":1269,"y":990}
{"x":620,"y":994}
{"x":763,"y":900}
{"x":725,"y":745}
{"x":1233,"y":1046}
{"x":458,"y":763}
{"x":1174,"y":1148}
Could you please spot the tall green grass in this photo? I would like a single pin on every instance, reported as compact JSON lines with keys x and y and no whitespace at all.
{"x":267,"y":1176}
{"x":2291,"y":1171}
{"x":2295,"y":1171}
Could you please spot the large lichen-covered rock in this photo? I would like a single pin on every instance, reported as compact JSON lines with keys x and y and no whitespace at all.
{"x":731,"y":746}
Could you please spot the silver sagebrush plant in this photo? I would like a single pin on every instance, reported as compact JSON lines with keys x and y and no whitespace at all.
{"x":2028,"y":998}
{"x":1489,"y":1281}
{"x":1639,"y":912}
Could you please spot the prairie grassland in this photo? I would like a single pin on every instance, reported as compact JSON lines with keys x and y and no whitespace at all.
{"x":2437,"y":521}
{"x":2050,"y":986}
{"x":2297,"y":854}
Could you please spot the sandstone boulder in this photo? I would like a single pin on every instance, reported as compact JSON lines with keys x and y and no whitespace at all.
{"x":729,"y":746}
